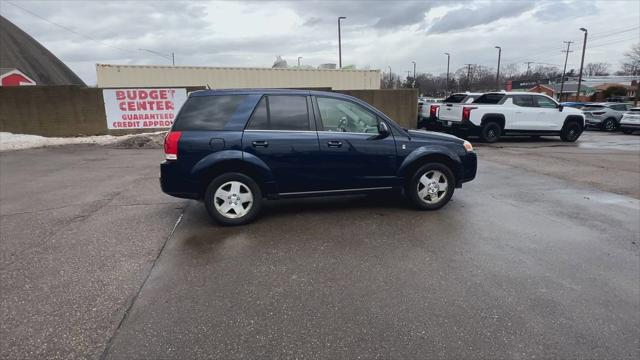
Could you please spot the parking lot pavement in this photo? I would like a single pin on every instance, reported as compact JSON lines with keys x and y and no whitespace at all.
{"x":519,"y":265}
{"x":606,"y":161}
{"x":526,"y":261}
{"x":80,"y":227}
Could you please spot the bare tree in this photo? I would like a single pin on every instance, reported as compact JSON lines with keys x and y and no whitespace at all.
{"x":596,"y":69}
{"x":631,"y":61}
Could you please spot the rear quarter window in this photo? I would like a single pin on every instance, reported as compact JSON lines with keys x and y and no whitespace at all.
{"x":207,"y":112}
{"x":455,"y":98}
{"x":489,"y":99}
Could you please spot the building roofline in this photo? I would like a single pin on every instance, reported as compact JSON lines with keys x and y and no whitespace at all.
{"x":227,"y":68}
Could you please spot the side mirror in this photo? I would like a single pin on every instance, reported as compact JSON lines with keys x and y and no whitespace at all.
{"x":383,"y":129}
{"x":560,"y":107}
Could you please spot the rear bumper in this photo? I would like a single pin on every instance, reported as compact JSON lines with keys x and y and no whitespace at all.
{"x":173,"y":183}
{"x":593,"y":121}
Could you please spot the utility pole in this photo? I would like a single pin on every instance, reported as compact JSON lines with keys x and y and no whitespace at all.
{"x":584,"y":45}
{"x":565,"y":68}
{"x":340,"y":42}
{"x":498,"y":71}
{"x":529,"y":68}
{"x":468,"y":77}
{"x":448,"y":58}
{"x":414,"y":73}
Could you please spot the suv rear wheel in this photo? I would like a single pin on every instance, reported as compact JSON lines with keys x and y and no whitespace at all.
{"x":233,"y":199}
{"x":431,"y":186}
{"x":490,"y":132}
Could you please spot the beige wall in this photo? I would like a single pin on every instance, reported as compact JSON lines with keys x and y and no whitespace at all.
{"x":234,"y":78}
{"x":401,"y":105}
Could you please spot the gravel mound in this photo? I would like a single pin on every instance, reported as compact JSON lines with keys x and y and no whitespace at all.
{"x":141,"y":141}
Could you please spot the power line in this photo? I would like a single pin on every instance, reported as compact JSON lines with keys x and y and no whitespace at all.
{"x":65,"y":28}
{"x":600,"y":36}
{"x":614,"y":33}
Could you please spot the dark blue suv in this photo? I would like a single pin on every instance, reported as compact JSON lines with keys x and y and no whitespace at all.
{"x":233,"y":148}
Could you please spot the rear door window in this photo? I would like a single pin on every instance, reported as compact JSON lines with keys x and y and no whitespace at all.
{"x":489,"y":99}
{"x":523,"y":100}
{"x":207,"y":112}
{"x":620,"y":107}
{"x":281,"y":112}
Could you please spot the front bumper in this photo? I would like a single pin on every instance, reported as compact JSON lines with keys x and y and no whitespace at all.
{"x":469,"y":168}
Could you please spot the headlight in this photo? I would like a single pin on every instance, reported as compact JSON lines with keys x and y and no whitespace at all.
{"x":467,"y":145}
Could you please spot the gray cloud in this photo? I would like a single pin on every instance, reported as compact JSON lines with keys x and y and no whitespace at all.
{"x":376,"y":33}
{"x":559,"y":10}
{"x":479,"y":14}
{"x":378,"y":14}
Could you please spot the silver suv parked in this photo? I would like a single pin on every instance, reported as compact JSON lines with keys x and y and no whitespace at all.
{"x":605,"y":116}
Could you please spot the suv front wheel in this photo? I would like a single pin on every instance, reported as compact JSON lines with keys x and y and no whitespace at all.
{"x":233,"y":199}
{"x":431,"y":187}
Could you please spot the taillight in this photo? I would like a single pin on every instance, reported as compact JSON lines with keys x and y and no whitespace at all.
{"x":598,"y":112}
{"x":433,"y":111}
{"x":171,"y":145}
{"x":466,"y":112}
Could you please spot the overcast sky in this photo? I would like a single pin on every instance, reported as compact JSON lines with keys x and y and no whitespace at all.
{"x":375,"y":34}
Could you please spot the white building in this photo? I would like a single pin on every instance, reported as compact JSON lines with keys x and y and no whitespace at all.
{"x":234,"y":77}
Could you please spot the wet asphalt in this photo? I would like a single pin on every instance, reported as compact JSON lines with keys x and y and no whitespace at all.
{"x":97,"y":263}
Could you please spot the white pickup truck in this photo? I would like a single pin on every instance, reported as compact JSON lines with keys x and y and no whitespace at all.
{"x":493,"y":115}
{"x":451,"y":108}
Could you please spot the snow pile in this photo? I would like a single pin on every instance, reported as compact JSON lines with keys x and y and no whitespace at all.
{"x":10,"y":141}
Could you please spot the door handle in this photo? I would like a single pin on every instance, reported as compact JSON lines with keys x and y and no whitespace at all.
{"x":260,"y":143}
{"x":334,"y":143}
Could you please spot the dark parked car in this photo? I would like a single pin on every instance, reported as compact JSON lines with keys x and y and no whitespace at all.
{"x":232,"y":148}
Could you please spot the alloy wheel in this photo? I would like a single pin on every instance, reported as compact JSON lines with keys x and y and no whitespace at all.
{"x":233,"y":199}
{"x":433,"y":186}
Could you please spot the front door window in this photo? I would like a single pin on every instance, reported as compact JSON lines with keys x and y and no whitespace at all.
{"x":345,"y":116}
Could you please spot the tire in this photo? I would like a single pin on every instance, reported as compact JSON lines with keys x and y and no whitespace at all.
{"x":421,"y":191}
{"x":570,"y":132}
{"x":609,"y":124}
{"x":490,"y":132}
{"x":225,"y":199}
{"x":627,"y":131}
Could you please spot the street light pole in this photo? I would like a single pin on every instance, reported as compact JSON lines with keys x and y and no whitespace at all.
{"x":299,"y":57}
{"x":584,"y":45}
{"x":448,"y":58}
{"x":414,"y":73}
{"x":340,"y":42}
{"x":390,"y":77}
{"x":498,"y":71}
